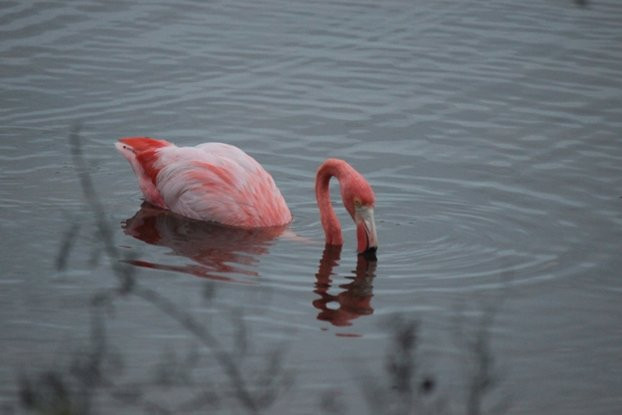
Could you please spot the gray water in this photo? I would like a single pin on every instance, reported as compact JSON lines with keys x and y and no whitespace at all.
{"x":490,"y":132}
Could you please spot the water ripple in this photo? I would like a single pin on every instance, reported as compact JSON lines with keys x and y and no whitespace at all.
{"x":490,"y":132}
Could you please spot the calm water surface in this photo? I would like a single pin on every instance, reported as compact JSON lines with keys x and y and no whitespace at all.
{"x":490,"y":132}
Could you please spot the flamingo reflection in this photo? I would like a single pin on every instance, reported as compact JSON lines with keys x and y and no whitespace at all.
{"x":355,"y":298}
{"x":215,"y":249}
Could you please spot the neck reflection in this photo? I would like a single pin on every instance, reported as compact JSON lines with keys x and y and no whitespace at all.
{"x":354,"y":299}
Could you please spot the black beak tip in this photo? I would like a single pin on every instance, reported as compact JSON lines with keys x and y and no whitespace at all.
{"x":370,"y":253}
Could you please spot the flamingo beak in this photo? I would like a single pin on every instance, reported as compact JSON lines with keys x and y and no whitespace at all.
{"x":366,"y":232}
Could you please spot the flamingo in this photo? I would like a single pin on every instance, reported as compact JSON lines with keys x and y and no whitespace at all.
{"x":219,"y":182}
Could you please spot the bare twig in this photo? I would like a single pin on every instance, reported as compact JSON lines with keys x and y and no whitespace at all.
{"x":253,"y":404}
{"x":122,"y":271}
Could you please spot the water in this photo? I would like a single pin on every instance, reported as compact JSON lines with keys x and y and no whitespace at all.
{"x":489,"y":131}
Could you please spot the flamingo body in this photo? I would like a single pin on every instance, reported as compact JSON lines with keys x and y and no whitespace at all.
{"x":212,"y":182}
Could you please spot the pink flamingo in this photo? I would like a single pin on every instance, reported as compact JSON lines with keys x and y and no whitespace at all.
{"x":221,"y":183}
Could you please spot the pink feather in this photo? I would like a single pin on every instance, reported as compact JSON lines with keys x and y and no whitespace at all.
{"x":212,"y":182}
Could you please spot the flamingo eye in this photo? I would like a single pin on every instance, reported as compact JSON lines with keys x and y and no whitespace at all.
{"x":357,"y":203}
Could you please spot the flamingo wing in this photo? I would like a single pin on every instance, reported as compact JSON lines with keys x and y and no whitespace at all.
{"x":217,"y":182}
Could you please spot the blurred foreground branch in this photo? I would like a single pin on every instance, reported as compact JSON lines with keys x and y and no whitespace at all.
{"x":405,"y":387}
{"x":73,"y":391}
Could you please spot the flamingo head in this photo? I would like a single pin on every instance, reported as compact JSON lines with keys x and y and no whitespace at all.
{"x":141,"y":152}
{"x":359,"y":200}
{"x":126,"y":150}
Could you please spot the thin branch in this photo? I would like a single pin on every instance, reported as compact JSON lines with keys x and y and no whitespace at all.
{"x":129,"y":285}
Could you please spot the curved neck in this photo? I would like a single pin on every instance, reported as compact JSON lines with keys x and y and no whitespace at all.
{"x":330,"y":222}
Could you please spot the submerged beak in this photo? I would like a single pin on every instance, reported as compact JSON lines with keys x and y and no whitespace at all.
{"x":366,"y":231}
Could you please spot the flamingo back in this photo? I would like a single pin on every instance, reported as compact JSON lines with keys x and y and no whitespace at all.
{"x":215,"y":182}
